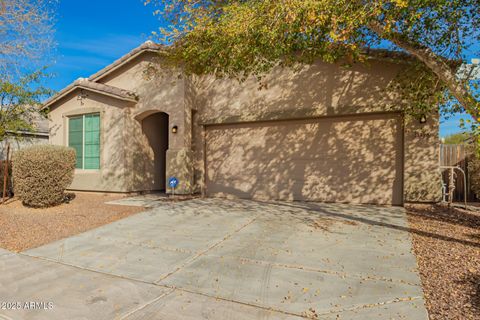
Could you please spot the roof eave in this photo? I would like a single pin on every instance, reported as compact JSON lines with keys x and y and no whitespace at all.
{"x":120,"y":63}
{"x":75,"y":87}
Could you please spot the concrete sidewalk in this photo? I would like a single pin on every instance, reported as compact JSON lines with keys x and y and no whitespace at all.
{"x":219,"y":259}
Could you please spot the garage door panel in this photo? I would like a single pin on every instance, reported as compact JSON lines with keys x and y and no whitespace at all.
{"x":356,"y":159}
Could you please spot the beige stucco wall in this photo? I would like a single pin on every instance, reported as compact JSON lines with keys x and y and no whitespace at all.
{"x":191,"y":103}
{"x":127,"y":158}
{"x":157,"y":93}
{"x":317,"y":91}
{"x":113,"y":169}
{"x":422,"y":180}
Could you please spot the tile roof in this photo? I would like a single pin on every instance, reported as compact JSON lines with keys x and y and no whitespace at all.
{"x":91,"y":83}
{"x":86,"y":84}
{"x":41,"y":124}
{"x":148,"y":46}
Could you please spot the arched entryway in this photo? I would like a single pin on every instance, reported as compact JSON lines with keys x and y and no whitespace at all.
{"x":155,"y":128}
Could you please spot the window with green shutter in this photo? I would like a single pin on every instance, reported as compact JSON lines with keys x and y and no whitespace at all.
{"x":84,"y":137}
{"x":75,"y":138}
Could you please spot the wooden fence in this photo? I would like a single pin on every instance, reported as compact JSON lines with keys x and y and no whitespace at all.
{"x":456,"y":155}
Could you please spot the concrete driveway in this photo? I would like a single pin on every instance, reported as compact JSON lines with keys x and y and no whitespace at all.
{"x":220,"y":259}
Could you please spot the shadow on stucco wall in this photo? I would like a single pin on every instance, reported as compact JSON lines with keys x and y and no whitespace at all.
{"x":310,"y":149}
{"x":322,"y":160}
{"x":317,"y":91}
{"x":321,"y":89}
{"x":317,"y":159}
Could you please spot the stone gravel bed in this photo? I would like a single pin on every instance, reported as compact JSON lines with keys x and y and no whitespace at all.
{"x":446,"y":242}
{"x":23,"y":228}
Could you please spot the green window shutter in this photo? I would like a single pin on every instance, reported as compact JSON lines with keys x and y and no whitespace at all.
{"x":75,"y":138}
{"x":92,"y":141}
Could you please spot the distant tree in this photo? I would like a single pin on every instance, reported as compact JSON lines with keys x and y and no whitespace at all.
{"x":26,"y":35}
{"x":457,"y":138}
{"x":26,"y":39}
{"x":238,"y":38}
{"x":20,"y":104}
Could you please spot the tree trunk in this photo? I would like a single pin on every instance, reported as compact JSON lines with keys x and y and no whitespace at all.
{"x":437,"y":65}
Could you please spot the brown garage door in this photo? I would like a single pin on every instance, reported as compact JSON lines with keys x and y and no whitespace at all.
{"x":345,"y":159}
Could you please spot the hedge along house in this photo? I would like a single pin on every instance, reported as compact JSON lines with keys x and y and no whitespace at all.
{"x":324,"y":133}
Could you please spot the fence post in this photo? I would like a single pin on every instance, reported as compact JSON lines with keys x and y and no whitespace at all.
{"x":451,"y":187}
{"x":5,"y":174}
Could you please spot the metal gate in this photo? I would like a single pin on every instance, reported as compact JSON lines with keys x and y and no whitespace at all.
{"x":457,"y":155}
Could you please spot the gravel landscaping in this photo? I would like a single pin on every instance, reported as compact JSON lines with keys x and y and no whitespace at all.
{"x":447,"y":245}
{"x":23,"y":228}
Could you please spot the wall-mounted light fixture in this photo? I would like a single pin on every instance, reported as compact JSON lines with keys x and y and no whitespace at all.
{"x":174,"y":129}
{"x":423,"y":119}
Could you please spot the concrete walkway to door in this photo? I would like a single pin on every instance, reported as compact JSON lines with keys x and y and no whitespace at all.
{"x":222,"y":259}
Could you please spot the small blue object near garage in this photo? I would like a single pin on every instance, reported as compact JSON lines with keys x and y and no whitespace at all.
{"x":173,"y":183}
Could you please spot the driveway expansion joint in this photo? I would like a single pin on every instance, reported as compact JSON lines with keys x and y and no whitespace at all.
{"x":171,"y":287}
{"x":204,"y":252}
{"x":131,"y":312}
{"x":301,"y":315}
{"x":91,"y":270}
{"x":239,"y":302}
{"x":372,"y":305}
{"x":366,"y":277}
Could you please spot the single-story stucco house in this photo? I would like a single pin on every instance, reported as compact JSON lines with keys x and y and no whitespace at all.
{"x":322,"y":133}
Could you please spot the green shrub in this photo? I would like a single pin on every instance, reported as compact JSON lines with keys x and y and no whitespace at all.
{"x":42,"y":173}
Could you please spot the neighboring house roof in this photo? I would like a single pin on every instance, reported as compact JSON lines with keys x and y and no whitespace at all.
{"x":39,"y":122}
{"x":42,"y":126}
{"x":101,"y":88}
{"x":148,"y":46}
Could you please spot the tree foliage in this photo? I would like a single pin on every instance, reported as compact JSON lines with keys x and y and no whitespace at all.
{"x":239,"y":38}
{"x":26,"y":39}
{"x":20,"y":104}
{"x":457,"y":138}
{"x":26,"y":35}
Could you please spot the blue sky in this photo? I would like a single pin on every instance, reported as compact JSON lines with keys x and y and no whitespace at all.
{"x":92,"y":34}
